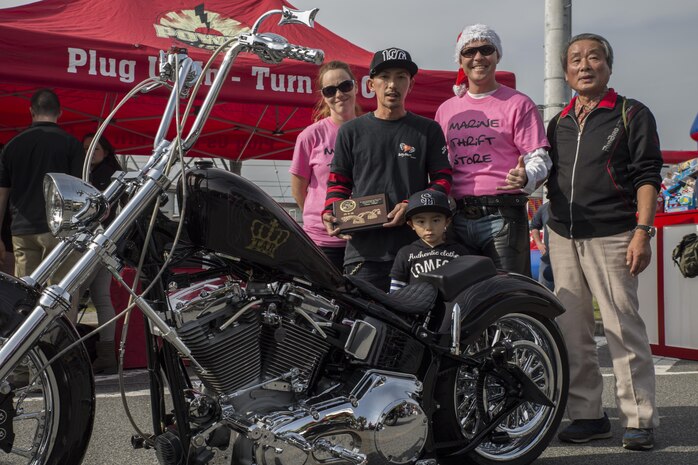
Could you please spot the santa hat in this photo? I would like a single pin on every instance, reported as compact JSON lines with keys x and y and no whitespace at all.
{"x":467,"y":35}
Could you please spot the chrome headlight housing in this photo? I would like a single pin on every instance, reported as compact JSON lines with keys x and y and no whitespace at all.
{"x":72,"y":204}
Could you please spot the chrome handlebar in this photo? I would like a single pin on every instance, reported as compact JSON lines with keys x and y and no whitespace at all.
{"x":152,"y":181}
{"x":272,"y":48}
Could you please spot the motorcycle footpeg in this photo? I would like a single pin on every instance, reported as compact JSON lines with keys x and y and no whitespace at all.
{"x":139,"y":442}
{"x":501,"y":353}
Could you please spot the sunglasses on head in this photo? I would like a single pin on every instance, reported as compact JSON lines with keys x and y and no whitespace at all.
{"x":344,"y":86}
{"x":484,"y":50}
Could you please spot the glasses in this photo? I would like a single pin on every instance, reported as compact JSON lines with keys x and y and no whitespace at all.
{"x":484,"y":50}
{"x":344,"y":86}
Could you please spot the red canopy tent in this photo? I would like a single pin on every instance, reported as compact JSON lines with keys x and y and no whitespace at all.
{"x":94,"y":51}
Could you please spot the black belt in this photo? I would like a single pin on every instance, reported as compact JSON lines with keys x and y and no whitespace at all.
{"x":476,"y":207}
{"x":503,"y":200}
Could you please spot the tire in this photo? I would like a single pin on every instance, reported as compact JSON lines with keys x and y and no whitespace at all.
{"x":539,"y":349}
{"x":55,"y":414}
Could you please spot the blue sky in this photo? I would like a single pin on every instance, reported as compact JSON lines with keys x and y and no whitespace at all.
{"x":655,"y":43}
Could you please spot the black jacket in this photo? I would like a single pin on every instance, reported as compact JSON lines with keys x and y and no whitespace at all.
{"x":596,"y":172}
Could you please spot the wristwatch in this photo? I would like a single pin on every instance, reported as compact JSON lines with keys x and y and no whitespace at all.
{"x":650,"y":230}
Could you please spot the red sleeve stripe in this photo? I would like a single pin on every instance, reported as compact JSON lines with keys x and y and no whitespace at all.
{"x":336,"y":178}
{"x":338,"y":189}
{"x":442,"y":180}
{"x":443,"y":184}
{"x":446,"y":171}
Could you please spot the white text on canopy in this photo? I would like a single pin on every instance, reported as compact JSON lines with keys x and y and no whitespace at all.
{"x":78,"y":58}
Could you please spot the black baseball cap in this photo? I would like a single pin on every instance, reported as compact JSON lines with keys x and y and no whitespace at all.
{"x":392,"y":58}
{"x":428,"y":201}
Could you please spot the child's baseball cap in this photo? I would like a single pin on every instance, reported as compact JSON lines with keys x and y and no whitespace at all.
{"x":428,"y":201}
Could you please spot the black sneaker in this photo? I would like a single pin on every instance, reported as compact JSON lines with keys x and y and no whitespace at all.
{"x":586,"y":430}
{"x":638,"y":438}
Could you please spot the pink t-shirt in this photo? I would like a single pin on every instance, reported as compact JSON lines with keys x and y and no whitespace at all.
{"x":486,"y":136}
{"x":312,"y":157}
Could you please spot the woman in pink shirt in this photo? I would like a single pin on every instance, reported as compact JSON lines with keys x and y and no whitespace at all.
{"x":314,"y":150}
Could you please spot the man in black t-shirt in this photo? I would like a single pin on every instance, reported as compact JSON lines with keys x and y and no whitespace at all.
{"x":387,"y":151}
{"x":40,"y":149}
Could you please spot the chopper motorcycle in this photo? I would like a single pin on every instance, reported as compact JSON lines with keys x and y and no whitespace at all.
{"x":259,"y":351}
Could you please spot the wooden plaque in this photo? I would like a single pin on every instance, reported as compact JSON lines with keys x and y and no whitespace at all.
{"x":360,"y":213}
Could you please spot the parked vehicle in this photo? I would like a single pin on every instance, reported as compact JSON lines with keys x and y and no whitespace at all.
{"x":259,"y":351}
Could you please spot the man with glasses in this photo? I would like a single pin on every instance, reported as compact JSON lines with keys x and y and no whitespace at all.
{"x":497,"y":146}
{"x":390,"y":151}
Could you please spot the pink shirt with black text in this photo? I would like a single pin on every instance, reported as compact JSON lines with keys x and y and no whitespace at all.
{"x":485,"y":137}
{"x":312,"y":157}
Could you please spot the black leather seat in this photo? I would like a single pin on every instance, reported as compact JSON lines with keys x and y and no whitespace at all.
{"x":459,"y":274}
{"x":415,"y":299}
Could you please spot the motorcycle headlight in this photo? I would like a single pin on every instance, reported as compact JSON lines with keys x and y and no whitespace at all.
{"x":71,"y":204}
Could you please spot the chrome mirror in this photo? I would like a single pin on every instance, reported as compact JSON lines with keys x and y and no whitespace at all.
{"x":307,"y":17}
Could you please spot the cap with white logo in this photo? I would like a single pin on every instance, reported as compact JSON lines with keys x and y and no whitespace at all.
{"x":392,"y":58}
{"x":428,"y":201}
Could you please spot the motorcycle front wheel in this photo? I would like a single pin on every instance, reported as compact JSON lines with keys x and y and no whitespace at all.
{"x":468,"y":398}
{"x":53,"y":416}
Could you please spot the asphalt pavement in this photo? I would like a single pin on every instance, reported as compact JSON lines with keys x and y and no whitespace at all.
{"x":676,"y":438}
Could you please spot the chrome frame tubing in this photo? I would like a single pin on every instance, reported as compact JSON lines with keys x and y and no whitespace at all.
{"x":185,"y":67}
{"x":212,"y":96}
{"x":55,"y":300}
{"x":49,"y":265}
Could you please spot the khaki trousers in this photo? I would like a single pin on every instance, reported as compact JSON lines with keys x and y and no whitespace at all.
{"x":31,"y":249}
{"x":597,"y":267}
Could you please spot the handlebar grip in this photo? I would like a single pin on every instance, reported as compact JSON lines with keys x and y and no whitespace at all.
{"x":300,"y":53}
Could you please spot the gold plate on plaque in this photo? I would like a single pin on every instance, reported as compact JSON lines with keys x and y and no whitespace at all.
{"x":359,"y":213}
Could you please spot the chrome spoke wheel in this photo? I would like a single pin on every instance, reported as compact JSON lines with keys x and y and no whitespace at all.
{"x":535,"y":351}
{"x":34,"y":422}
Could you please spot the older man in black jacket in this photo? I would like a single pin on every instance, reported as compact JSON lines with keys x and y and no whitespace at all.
{"x":603,"y":193}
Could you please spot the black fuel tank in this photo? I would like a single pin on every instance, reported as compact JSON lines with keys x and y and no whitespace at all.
{"x":229,"y":214}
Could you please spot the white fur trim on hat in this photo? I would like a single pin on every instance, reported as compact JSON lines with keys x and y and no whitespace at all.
{"x":477,"y":32}
{"x":461,"y":86}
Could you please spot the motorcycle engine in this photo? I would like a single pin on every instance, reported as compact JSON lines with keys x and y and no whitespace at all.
{"x":380,"y":422}
{"x":244,"y":337}
{"x":263,"y":338}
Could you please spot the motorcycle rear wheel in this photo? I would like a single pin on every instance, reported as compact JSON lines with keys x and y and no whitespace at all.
{"x":55,"y":413}
{"x":539,"y":350}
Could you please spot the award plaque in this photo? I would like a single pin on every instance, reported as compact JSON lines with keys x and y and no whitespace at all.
{"x":360,"y":213}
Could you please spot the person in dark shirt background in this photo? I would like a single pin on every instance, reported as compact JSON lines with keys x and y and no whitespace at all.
{"x":538,"y":226}
{"x":42,"y":148}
